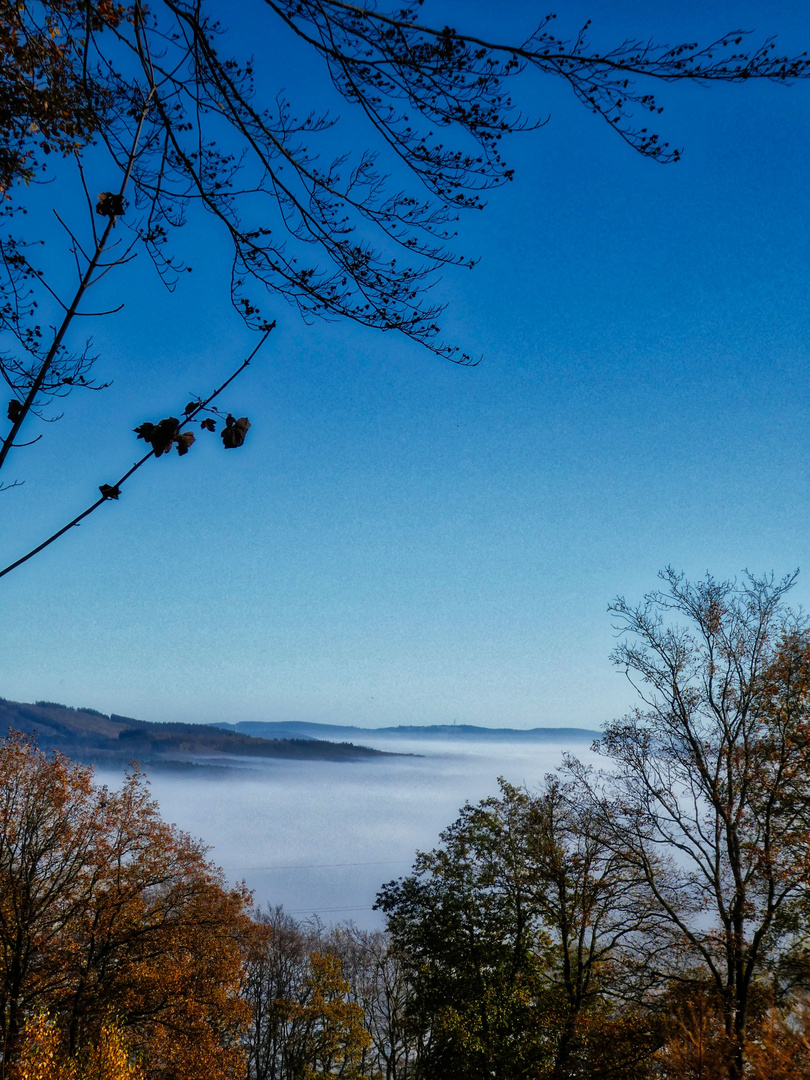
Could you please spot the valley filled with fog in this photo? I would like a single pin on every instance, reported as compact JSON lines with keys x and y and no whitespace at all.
{"x":321,"y":837}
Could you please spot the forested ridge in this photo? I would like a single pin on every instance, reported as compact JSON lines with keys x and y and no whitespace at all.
{"x":91,"y":736}
{"x":646,"y":920}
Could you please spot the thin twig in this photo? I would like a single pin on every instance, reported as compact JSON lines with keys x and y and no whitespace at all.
{"x":117,"y":486}
{"x":72,"y":235}
{"x":93,"y":314}
{"x":85,"y":283}
{"x":29,"y":443}
{"x":87,"y":196}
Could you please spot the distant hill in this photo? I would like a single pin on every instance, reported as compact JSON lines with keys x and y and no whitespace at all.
{"x":93,"y":737}
{"x":302,"y":730}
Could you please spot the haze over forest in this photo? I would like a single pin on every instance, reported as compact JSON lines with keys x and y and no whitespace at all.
{"x":312,"y":817}
{"x":321,"y":837}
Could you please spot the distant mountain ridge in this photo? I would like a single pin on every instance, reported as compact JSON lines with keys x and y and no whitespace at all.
{"x":93,"y":737}
{"x":300,"y":729}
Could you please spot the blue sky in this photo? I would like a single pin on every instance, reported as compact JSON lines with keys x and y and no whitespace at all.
{"x":405,"y":541}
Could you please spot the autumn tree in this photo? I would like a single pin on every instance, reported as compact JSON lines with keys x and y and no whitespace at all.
{"x":306,"y":1022}
{"x":379,"y":983}
{"x":779,"y":1048}
{"x":274,"y":990}
{"x":708,"y":790}
{"x":42,"y":1055}
{"x":332,"y":1036}
{"x":592,"y":902}
{"x":106,"y":912}
{"x":140,"y":119}
{"x":695,"y":1046}
{"x":517,"y":933}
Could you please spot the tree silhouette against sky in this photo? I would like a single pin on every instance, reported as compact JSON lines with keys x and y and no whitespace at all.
{"x":148,"y":103}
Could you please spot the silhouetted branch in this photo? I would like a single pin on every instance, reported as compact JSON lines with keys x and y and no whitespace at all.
{"x":113,"y":490}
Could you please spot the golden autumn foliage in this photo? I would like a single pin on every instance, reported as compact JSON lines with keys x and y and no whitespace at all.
{"x":697,"y":1048}
{"x":42,"y":1055}
{"x":306,"y":1025}
{"x":107,"y":910}
{"x":780,"y":1047}
{"x":336,"y":1036}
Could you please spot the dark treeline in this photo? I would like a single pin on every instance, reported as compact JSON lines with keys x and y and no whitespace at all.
{"x":645,"y":921}
{"x":97,"y":739}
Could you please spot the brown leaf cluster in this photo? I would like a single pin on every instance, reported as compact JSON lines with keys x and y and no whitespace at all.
{"x":110,"y":205}
{"x":234,"y":432}
{"x":166,"y":433}
{"x":160,"y":435}
{"x":46,"y":106}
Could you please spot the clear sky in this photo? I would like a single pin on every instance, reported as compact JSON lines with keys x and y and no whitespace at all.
{"x":403,"y":541}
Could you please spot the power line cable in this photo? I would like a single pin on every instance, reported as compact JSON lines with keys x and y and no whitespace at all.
{"x":315,"y":866}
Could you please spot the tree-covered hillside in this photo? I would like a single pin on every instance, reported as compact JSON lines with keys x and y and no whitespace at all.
{"x":91,"y":736}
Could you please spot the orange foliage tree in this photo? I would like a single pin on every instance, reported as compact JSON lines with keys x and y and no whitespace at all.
{"x":107,"y":911}
{"x":333,"y":1036}
{"x":42,"y":1055}
{"x":306,"y":1024}
{"x":696,"y":1046}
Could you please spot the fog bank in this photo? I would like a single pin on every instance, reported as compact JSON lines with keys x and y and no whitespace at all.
{"x":321,"y":837}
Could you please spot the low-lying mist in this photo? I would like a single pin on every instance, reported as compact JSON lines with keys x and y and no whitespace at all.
{"x":319,"y":837}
